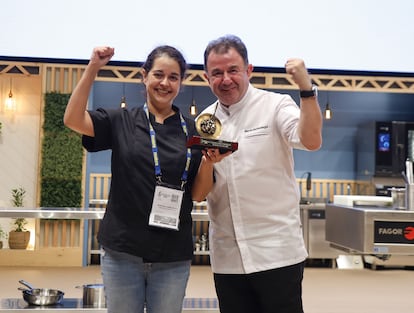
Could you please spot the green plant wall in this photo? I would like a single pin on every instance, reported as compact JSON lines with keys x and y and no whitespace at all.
{"x":62,"y":154}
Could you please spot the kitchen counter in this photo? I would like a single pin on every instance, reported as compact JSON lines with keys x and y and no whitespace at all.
{"x":12,"y":305}
{"x":370,"y":230}
{"x":67,"y":305}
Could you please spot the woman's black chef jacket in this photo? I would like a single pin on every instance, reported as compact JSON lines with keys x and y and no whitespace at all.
{"x":125,"y":226}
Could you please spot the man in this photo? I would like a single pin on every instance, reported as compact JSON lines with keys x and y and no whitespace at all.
{"x":256,"y":244}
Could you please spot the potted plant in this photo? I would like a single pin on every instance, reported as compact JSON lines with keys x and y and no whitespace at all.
{"x":19,"y":236}
{"x":3,"y":235}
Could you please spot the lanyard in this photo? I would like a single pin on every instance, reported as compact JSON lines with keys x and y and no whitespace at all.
{"x":154,"y":147}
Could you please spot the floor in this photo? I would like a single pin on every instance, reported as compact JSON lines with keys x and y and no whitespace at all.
{"x":325,"y":289}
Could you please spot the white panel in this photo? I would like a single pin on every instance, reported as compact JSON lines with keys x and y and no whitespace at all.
{"x":369,"y":35}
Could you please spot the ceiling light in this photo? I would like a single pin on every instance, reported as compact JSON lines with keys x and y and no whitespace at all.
{"x":10,"y":103}
{"x":328,"y":112}
{"x":193,"y":109}
{"x":123,"y":103}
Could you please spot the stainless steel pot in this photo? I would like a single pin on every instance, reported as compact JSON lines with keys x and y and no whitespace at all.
{"x":40,"y":296}
{"x":398,"y":198}
{"x":93,"y":295}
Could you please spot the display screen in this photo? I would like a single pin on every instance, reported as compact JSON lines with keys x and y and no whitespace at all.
{"x":384,"y":142}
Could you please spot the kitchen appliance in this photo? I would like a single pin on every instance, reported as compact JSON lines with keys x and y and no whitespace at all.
{"x":312,"y":214}
{"x":383,"y":148}
{"x":398,"y":198}
{"x":409,"y":197}
{"x":371,"y":227}
{"x":370,"y":230}
{"x":313,"y":223}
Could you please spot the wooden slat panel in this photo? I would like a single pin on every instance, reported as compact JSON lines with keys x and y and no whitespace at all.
{"x":52,"y":79}
{"x":327,"y":188}
{"x":62,"y":80}
{"x":70,"y":86}
{"x":72,"y":233}
{"x":331,"y":191}
{"x":55,"y":237}
{"x":98,"y":188}
{"x":99,"y":185}
{"x":105,"y":187}
{"x":46,"y":233}
{"x":63,"y":241}
{"x":92,"y":193}
{"x":60,"y":233}
{"x":318,"y":190}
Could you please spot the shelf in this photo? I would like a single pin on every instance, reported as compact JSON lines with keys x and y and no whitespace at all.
{"x":52,"y":213}
{"x":199,"y":212}
{"x":195,"y":252}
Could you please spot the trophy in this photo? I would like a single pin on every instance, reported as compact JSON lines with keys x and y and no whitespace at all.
{"x":209,"y":128}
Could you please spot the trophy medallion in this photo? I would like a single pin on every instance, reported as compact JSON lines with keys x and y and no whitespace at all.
{"x":209,"y":128}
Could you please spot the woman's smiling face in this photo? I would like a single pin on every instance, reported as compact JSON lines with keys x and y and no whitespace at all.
{"x":162,"y":82}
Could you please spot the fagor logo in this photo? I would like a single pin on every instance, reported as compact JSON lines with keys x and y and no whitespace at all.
{"x":409,"y":233}
{"x":390,"y":231}
{"x":394,"y":232}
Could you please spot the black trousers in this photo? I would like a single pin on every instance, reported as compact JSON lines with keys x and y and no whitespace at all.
{"x":273,"y":291}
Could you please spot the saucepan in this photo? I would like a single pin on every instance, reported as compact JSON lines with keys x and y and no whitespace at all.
{"x":40,"y":296}
{"x":93,"y":295}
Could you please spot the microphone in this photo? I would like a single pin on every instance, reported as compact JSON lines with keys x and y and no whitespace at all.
{"x":309,"y":181}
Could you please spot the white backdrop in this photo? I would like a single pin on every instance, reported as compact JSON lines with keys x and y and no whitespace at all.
{"x":363,"y":35}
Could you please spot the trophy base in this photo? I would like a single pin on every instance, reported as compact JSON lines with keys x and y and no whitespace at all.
{"x":201,"y":143}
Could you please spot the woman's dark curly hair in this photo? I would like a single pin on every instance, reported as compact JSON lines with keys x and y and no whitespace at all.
{"x":169,"y":51}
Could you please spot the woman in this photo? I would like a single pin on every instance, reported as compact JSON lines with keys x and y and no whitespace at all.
{"x":146,"y":233}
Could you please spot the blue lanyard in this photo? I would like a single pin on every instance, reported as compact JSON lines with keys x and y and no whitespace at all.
{"x":154,"y":147}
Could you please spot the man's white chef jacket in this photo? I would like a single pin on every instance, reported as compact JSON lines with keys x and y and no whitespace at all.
{"x":254,"y":205}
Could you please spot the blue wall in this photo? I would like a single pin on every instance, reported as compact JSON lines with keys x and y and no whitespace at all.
{"x":337,"y":157}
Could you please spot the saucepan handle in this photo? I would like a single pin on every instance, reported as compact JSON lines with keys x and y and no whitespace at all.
{"x":25,"y":283}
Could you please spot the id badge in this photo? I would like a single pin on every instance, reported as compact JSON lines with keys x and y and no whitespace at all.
{"x":166,"y":207}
